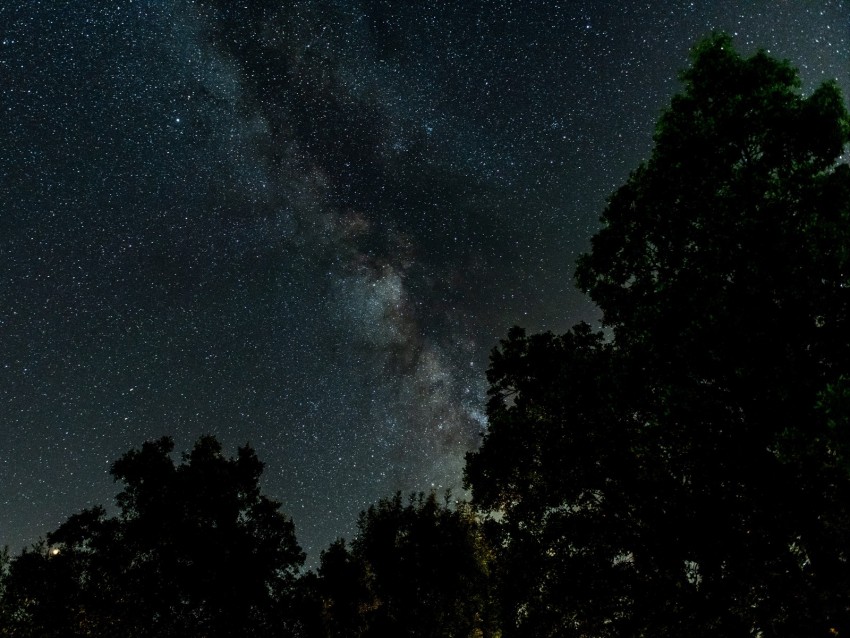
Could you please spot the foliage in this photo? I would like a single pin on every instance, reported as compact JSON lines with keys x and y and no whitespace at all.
{"x":419,"y":569}
{"x":689,"y":475}
{"x":195,"y":551}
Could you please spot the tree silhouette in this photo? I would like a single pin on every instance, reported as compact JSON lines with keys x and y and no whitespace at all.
{"x":196,"y":550}
{"x":415,"y":569}
{"x":689,"y":475}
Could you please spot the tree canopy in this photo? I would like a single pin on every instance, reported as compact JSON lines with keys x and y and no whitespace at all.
{"x":414,"y":569}
{"x":196,"y":550}
{"x":688,"y":473}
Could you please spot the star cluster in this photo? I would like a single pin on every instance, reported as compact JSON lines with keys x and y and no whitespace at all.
{"x":304,"y":224}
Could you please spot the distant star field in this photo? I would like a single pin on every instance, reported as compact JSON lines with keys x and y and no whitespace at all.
{"x":304,"y":224}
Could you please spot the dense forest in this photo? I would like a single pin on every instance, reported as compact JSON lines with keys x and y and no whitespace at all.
{"x":683,"y":471}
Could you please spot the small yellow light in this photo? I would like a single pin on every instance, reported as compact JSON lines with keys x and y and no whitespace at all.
{"x":54,"y":551}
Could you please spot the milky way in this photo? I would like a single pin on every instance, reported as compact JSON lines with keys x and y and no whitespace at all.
{"x":304,"y":225}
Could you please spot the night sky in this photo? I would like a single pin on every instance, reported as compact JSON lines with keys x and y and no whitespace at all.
{"x":304,"y":224}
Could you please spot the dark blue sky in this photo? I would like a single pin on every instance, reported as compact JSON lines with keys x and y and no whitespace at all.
{"x":304,"y":225}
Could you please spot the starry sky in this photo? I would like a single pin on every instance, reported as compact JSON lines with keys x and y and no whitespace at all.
{"x":304,"y":224}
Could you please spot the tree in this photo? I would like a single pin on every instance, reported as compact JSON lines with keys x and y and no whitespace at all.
{"x":686,"y":476}
{"x":196,"y":550}
{"x":419,"y":569}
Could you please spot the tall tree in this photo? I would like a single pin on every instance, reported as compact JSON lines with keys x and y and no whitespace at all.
{"x":689,"y":475}
{"x":196,"y":550}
